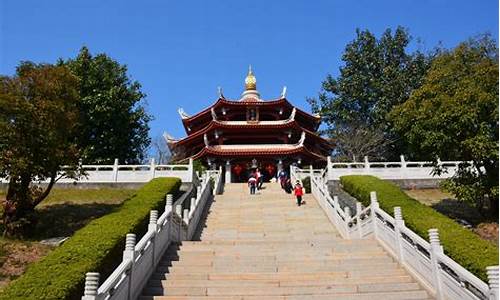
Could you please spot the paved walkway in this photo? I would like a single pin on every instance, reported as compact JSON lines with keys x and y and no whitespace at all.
{"x":265,"y":247}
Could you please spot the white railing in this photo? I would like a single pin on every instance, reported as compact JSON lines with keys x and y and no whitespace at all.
{"x":140,"y":259}
{"x":129,"y":173}
{"x":392,"y":170}
{"x":445,"y":278}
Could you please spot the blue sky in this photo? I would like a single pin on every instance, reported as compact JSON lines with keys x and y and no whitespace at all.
{"x":181,"y":51}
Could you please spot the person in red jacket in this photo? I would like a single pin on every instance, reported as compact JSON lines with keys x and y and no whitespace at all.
{"x":298,"y":192}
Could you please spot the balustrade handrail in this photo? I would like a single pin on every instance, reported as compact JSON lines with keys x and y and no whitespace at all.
{"x":140,"y":259}
{"x":125,"y":173}
{"x":444,"y":277}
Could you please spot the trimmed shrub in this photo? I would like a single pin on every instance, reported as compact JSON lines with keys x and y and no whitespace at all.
{"x":97,"y":247}
{"x":462,"y":245}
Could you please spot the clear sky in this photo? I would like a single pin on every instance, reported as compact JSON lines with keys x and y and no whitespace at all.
{"x":180,"y":51}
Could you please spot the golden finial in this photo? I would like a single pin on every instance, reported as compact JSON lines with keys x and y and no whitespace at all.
{"x":250,"y":81}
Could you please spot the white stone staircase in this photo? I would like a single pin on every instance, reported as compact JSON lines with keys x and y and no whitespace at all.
{"x":265,"y":247}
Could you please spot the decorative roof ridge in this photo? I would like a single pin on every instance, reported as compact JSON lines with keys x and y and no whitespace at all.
{"x":262,"y":101}
{"x":182,"y":113}
{"x":212,"y":148}
{"x":213,"y":124}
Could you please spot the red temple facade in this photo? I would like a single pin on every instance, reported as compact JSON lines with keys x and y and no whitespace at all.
{"x":244,"y":134}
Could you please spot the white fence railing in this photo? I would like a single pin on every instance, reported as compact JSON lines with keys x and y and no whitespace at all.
{"x":140,"y":259}
{"x":129,"y":173}
{"x":445,"y":278}
{"x":392,"y":170}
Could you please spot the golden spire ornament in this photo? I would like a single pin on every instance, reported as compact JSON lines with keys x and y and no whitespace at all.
{"x":250,"y":80}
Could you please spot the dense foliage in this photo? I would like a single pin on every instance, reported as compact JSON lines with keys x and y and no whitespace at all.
{"x":454,"y":116}
{"x":377,"y":74}
{"x":96,"y":247}
{"x":462,"y":245}
{"x":114,"y":122}
{"x":38,"y":125}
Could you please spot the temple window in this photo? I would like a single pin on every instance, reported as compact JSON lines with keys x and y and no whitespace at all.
{"x":252,"y":114}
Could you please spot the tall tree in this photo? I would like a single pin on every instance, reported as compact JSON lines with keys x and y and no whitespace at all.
{"x":38,"y":121}
{"x":377,"y":74}
{"x":454,"y":116}
{"x":114,"y":122}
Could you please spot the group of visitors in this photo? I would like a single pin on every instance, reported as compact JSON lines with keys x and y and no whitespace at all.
{"x":286,"y":184}
{"x":255,"y":181}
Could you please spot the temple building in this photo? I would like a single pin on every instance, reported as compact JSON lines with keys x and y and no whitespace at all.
{"x":244,"y":134}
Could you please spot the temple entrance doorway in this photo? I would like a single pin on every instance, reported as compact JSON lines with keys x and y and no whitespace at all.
{"x":242,"y":170}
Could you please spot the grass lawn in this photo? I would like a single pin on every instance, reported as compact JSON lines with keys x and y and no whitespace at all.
{"x":447,"y":205}
{"x":62,"y":213}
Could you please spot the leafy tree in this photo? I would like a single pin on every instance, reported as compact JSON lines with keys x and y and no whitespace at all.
{"x":38,"y":121}
{"x":377,"y":74}
{"x":454,"y":116}
{"x":114,"y":122}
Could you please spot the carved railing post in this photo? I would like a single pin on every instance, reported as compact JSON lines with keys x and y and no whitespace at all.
{"x":403,"y":161}
{"x":169,"y":203}
{"x":367,"y":163}
{"x":492,"y":273}
{"x":347,"y":213}
{"x":191,"y":170}
{"x":335,"y":207}
{"x":185,"y":223}
{"x":91,"y":286}
{"x":398,"y":224}
{"x":115,"y":170}
{"x":436,"y":249}
{"x":152,"y":168}
{"x":178,"y":222}
{"x":329,"y":168}
{"x":153,"y":227}
{"x":129,"y":254}
{"x":359,"y":208}
{"x":193,"y":205}
{"x":374,"y":208}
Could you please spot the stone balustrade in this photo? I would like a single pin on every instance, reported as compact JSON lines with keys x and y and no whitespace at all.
{"x":140,"y":259}
{"x":129,"y":173}
{"x":426,"y":260}
{"x":392,"y":170}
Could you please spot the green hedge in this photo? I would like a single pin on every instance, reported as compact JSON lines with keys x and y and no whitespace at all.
{"x":462,"y":245}
{"x":96,"y":247}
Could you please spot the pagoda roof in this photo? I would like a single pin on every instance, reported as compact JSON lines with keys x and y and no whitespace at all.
{"x":257,"y":150}
{"x":216,"y":124}
{"x":186,"y":119}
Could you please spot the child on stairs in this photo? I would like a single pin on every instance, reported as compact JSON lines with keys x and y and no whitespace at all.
{"x":298,"y":192}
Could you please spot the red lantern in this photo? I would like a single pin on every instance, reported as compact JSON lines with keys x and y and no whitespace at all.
{"x":270,"y":169}
{"x":237,"y":170}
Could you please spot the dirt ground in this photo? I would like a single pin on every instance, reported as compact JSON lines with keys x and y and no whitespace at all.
{"x":60,"y":215}
{"x":15,"y":256}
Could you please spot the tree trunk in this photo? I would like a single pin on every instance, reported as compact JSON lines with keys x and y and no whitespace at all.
{"x":18,"y":206}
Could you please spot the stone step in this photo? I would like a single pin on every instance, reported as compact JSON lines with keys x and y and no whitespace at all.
{"x":229,"y":283}
{"x":265,"y":247}
{"x":290,"y":290}
{"x":274,"y":275}
{"x":259,"y":267}
{"x":281,"y":242}
{"x":281,"y":256}
{"x":401,"y":295}
{"x":208,"y":261}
